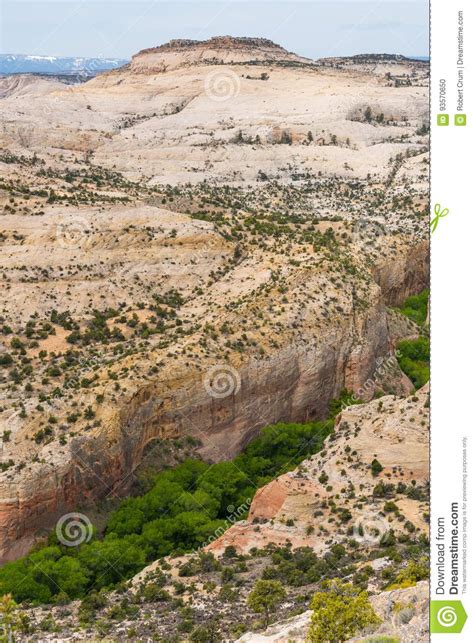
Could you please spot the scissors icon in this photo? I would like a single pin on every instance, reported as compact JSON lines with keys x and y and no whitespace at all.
{"x":439,"y":214}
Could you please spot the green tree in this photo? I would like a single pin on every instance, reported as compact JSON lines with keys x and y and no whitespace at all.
{"x":416,"y":307}
{"x":111,"y":560}
{"x":9,"y":618}
{"x":339,"y":613}
{"x":376,"y":467}
{"x":17,"y":578}
{"x":265,"y":597}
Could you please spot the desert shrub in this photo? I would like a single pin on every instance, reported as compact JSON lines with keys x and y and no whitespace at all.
{"x":405,"y":614}
{"x":208,"y":633}
{"x":415,"y":571}
{"x":339,"y":613}
{"x":6,"y":359}
{"x":296,"y":567}
{"x":375,"y":467}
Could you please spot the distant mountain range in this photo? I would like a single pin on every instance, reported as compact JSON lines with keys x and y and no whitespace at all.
{"x":22,"y":64}
{"x":61,"y":65}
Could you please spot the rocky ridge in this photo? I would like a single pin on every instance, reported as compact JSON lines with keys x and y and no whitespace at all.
{"x":218,"y":50}
{"x":300,"y":506}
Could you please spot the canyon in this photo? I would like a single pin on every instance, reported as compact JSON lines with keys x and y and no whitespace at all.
{"x":196,"y":245}
{"x":334,"y":504}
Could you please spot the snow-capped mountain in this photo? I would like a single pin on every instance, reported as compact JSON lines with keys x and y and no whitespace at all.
{"x":21,"y":63}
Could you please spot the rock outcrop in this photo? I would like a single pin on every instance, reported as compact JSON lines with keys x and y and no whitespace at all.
{"x":405,"y":275}
{"x":303,"y":506}
{"x":218,"y":50}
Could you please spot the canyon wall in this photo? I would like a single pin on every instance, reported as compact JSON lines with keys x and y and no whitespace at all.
{"x":295,"y":383}
{"x":406,"y":275}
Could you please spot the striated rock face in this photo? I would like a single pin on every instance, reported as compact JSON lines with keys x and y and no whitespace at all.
{"x":293,"y":385}
{"x":407,"y":274}
{"x":30,"y":504}
{"x":23,"y":84}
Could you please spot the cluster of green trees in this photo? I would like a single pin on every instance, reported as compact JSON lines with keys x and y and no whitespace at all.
{"x":414,"y":359}
{"x":414,"y":355}
{"x":416,"y":307}
{"x":185,"y":506}
{"x":97,"y":330}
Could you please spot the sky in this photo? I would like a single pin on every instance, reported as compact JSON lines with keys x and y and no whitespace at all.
{"x":120,"y":28}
